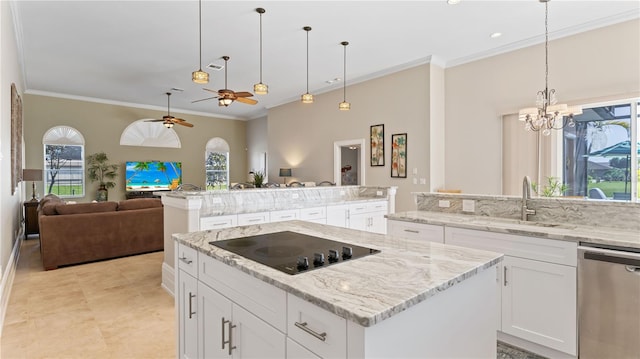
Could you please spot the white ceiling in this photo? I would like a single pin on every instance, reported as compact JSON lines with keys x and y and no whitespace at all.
{"x":134,"y":51}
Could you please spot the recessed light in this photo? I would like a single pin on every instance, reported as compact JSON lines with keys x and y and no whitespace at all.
{"x":495,"y":34}
{"x":453,"y":2}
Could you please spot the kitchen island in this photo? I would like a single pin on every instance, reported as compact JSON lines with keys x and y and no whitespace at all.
{"x":413,"y":299}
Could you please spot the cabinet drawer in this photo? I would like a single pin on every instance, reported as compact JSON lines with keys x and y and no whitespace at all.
{"x":308,"y":214}
{"x":253,"y":218}
{"x":541,"y":249}
{"x":380,"y":206}
{"x":358,"y":208}
{"x":320,"y":324}
{"x":409,"y":230}
{"x":218,"y":222}
{"x":297,"y":351}
{"x":263,"y":300}
{"x":187,"y":259}
{"x":284,"y":215}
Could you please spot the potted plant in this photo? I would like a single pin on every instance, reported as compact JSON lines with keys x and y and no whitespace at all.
{"x":99,"y":169}
{"x":258,"y":179}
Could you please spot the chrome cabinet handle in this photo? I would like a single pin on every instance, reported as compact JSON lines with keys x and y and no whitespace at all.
{"x":303,"y":326}
{"x":186,"y":260}
{"x":505,"y":276}
{"x":230,"y":341}
{"x":255,"y":219}
{"x":191,"y":312}
{"x":289,"y":216}
{"x":313,"y":213}
{"x":412,"y":231}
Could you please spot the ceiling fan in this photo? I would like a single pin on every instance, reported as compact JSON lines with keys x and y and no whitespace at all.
{"x":225,"y":96}
{"x":168,"y":121}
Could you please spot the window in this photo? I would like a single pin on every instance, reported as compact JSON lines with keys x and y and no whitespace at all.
{"x":64,"y":162}
{"x":217,"y":164}
{"x":600,"y":159}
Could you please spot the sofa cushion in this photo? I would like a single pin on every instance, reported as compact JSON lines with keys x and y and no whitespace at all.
{"x":139,"y":203}
{"x":50,"y":199}
{"x":49,"y":209}
{"x":86,"y":207}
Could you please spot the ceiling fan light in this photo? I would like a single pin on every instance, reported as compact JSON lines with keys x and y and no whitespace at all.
{"x":307,"y":98}
{"x":344,"y":106}
{"x":260,"y":89}
{"x":168,"y":124}
{"x":224,"y":102}
{"x":200,"y":77}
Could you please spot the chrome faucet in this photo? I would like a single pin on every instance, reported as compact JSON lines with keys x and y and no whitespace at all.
{"x":526,"y":194}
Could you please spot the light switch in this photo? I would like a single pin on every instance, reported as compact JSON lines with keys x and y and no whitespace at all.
{"x":415,"y":180}
{"x":415,"y":170}
{"x":444,"y":204}
{"x":468,"y":205}
{"x":294,"y":195}
{"x":423,"y":181}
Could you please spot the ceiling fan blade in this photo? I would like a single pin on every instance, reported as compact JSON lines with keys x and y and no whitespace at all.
{"x":184,"y":123}
{"x":177,"y":120}
{"x":244,"y":94}
{"x":154,"y":120}
{"x":204,"y":99}
{"x":248,"y":101}
{"x":206,"y":89}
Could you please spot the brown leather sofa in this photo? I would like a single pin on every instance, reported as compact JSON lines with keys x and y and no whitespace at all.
{"x":85,"y":232}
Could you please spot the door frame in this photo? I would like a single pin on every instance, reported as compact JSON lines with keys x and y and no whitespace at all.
{"x":337,"y":159}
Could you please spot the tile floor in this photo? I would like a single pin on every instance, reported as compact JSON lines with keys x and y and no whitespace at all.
{"x":109,"y":309}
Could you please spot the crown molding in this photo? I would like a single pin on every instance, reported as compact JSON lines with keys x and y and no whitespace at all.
{"x":130,"y":104}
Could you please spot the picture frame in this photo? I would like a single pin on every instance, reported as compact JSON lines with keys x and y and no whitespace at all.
{"x":16,"y":138}
{"x":399,"y":155}
{"x":376,"y":136}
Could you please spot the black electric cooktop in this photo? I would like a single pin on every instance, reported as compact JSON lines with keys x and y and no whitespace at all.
{"x":292,"y":252}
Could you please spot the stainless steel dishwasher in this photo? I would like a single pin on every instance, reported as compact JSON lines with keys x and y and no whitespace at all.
{"x":608,"y":302}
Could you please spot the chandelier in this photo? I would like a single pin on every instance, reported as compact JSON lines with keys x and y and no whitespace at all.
{"x":548,"y":114}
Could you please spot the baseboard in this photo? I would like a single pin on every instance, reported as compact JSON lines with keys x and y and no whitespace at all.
{"x":7,"y":279}
{"x":533,"y":347}
{"x":168,"y":278}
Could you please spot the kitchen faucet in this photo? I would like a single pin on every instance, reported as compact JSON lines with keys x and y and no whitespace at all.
{"x":526,"y":194}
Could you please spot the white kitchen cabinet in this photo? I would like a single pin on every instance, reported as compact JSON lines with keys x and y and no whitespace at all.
{"x":314,"y":214}
{"x":538,"y":285}
{"x":338,"y":215}
{"x":188,"y":316}
{"x":368,"y":216}
{"x":218,"y":222}
{"x":245,"y":219}
{"x":539,"y":302}
{"x":214,"y":309}
{"x":284,"y":215}
{"x":297,"y":351}
{"x":412,"y":230}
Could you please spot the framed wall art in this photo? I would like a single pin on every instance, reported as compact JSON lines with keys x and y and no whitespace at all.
{"x":376,"y":135}
{"x":16,"y":139}
{"x":399,"y":155}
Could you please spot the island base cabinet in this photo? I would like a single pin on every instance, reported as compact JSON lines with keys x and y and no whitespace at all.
{"x":538,"y":304}
{"x":188,"y":317}
{"x":297,"y":351}
{"x":456,"y":323}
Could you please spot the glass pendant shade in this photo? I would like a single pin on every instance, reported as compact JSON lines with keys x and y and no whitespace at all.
{"x":260,"y":89}
{"x":168,"y":124}
{"x":306,"y":98}
{"x":200,"y":77}
{"x":224,"y":102}
{"x":344,"y":106}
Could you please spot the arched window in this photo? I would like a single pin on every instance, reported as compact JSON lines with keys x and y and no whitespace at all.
{"x":63,"y":162}
{"x":217,"y":164}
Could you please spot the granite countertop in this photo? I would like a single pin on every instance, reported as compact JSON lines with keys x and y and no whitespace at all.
{"x":260,"y":207}
{"x":560,"y":231}
{"x":366,"y":290}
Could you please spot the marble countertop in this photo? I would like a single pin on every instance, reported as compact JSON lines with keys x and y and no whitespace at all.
{"x":560,"y":231}
{"x":366,"y":290}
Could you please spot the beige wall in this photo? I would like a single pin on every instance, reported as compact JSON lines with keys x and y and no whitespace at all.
{"x":595,"y":65}
{"x":102,"y":125}
{"x":10,"y":204}
{"x":301,"y":136}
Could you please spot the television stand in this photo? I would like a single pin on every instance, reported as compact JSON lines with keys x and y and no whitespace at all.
{"x":141,"y":194}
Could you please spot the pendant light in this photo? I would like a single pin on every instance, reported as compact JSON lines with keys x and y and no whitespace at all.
{"x":548,"y":114}
{"x":260,"y":88}
{"x":344,"y":105}
{"x":199,"y":76}
{"x":307,"y":97}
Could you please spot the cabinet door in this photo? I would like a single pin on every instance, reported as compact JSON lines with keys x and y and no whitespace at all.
{"x":377,"y":222}
{"x":213,"y":309}
{"x":187,"y":307}
{"x":338,"y":216}
{"x":359,"y":221}
{"x":539,"y":302}
{"x":253,"y":338}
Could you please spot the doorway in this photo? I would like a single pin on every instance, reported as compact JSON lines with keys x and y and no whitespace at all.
{"x":348,"y":162}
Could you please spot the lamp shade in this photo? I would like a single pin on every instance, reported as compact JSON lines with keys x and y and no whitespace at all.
{"x":32,"y":175}
{"x":285,"y":172}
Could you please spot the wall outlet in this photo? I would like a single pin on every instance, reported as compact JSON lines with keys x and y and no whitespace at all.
{"x":415,"y":170}
{"x":423,"y":181}
{"x":216,"y":200}
{"x":342,"y":193}
{"x":468,"y":205}
{"x":378,"y":193}
{"x":295,"y":195}
{"x":444,"y":204}
{"x":415,"y":180}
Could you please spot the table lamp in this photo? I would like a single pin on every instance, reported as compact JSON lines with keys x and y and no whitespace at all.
{"x":32,"y":175}
{"x":285,"y":172}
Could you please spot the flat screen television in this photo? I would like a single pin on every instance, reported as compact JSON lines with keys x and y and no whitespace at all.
{"x":153,"y":175}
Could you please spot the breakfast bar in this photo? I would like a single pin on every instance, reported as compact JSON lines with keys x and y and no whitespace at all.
{"x":391,"y":303}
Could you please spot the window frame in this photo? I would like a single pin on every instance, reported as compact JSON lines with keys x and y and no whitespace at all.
{"x":64,"y":136}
